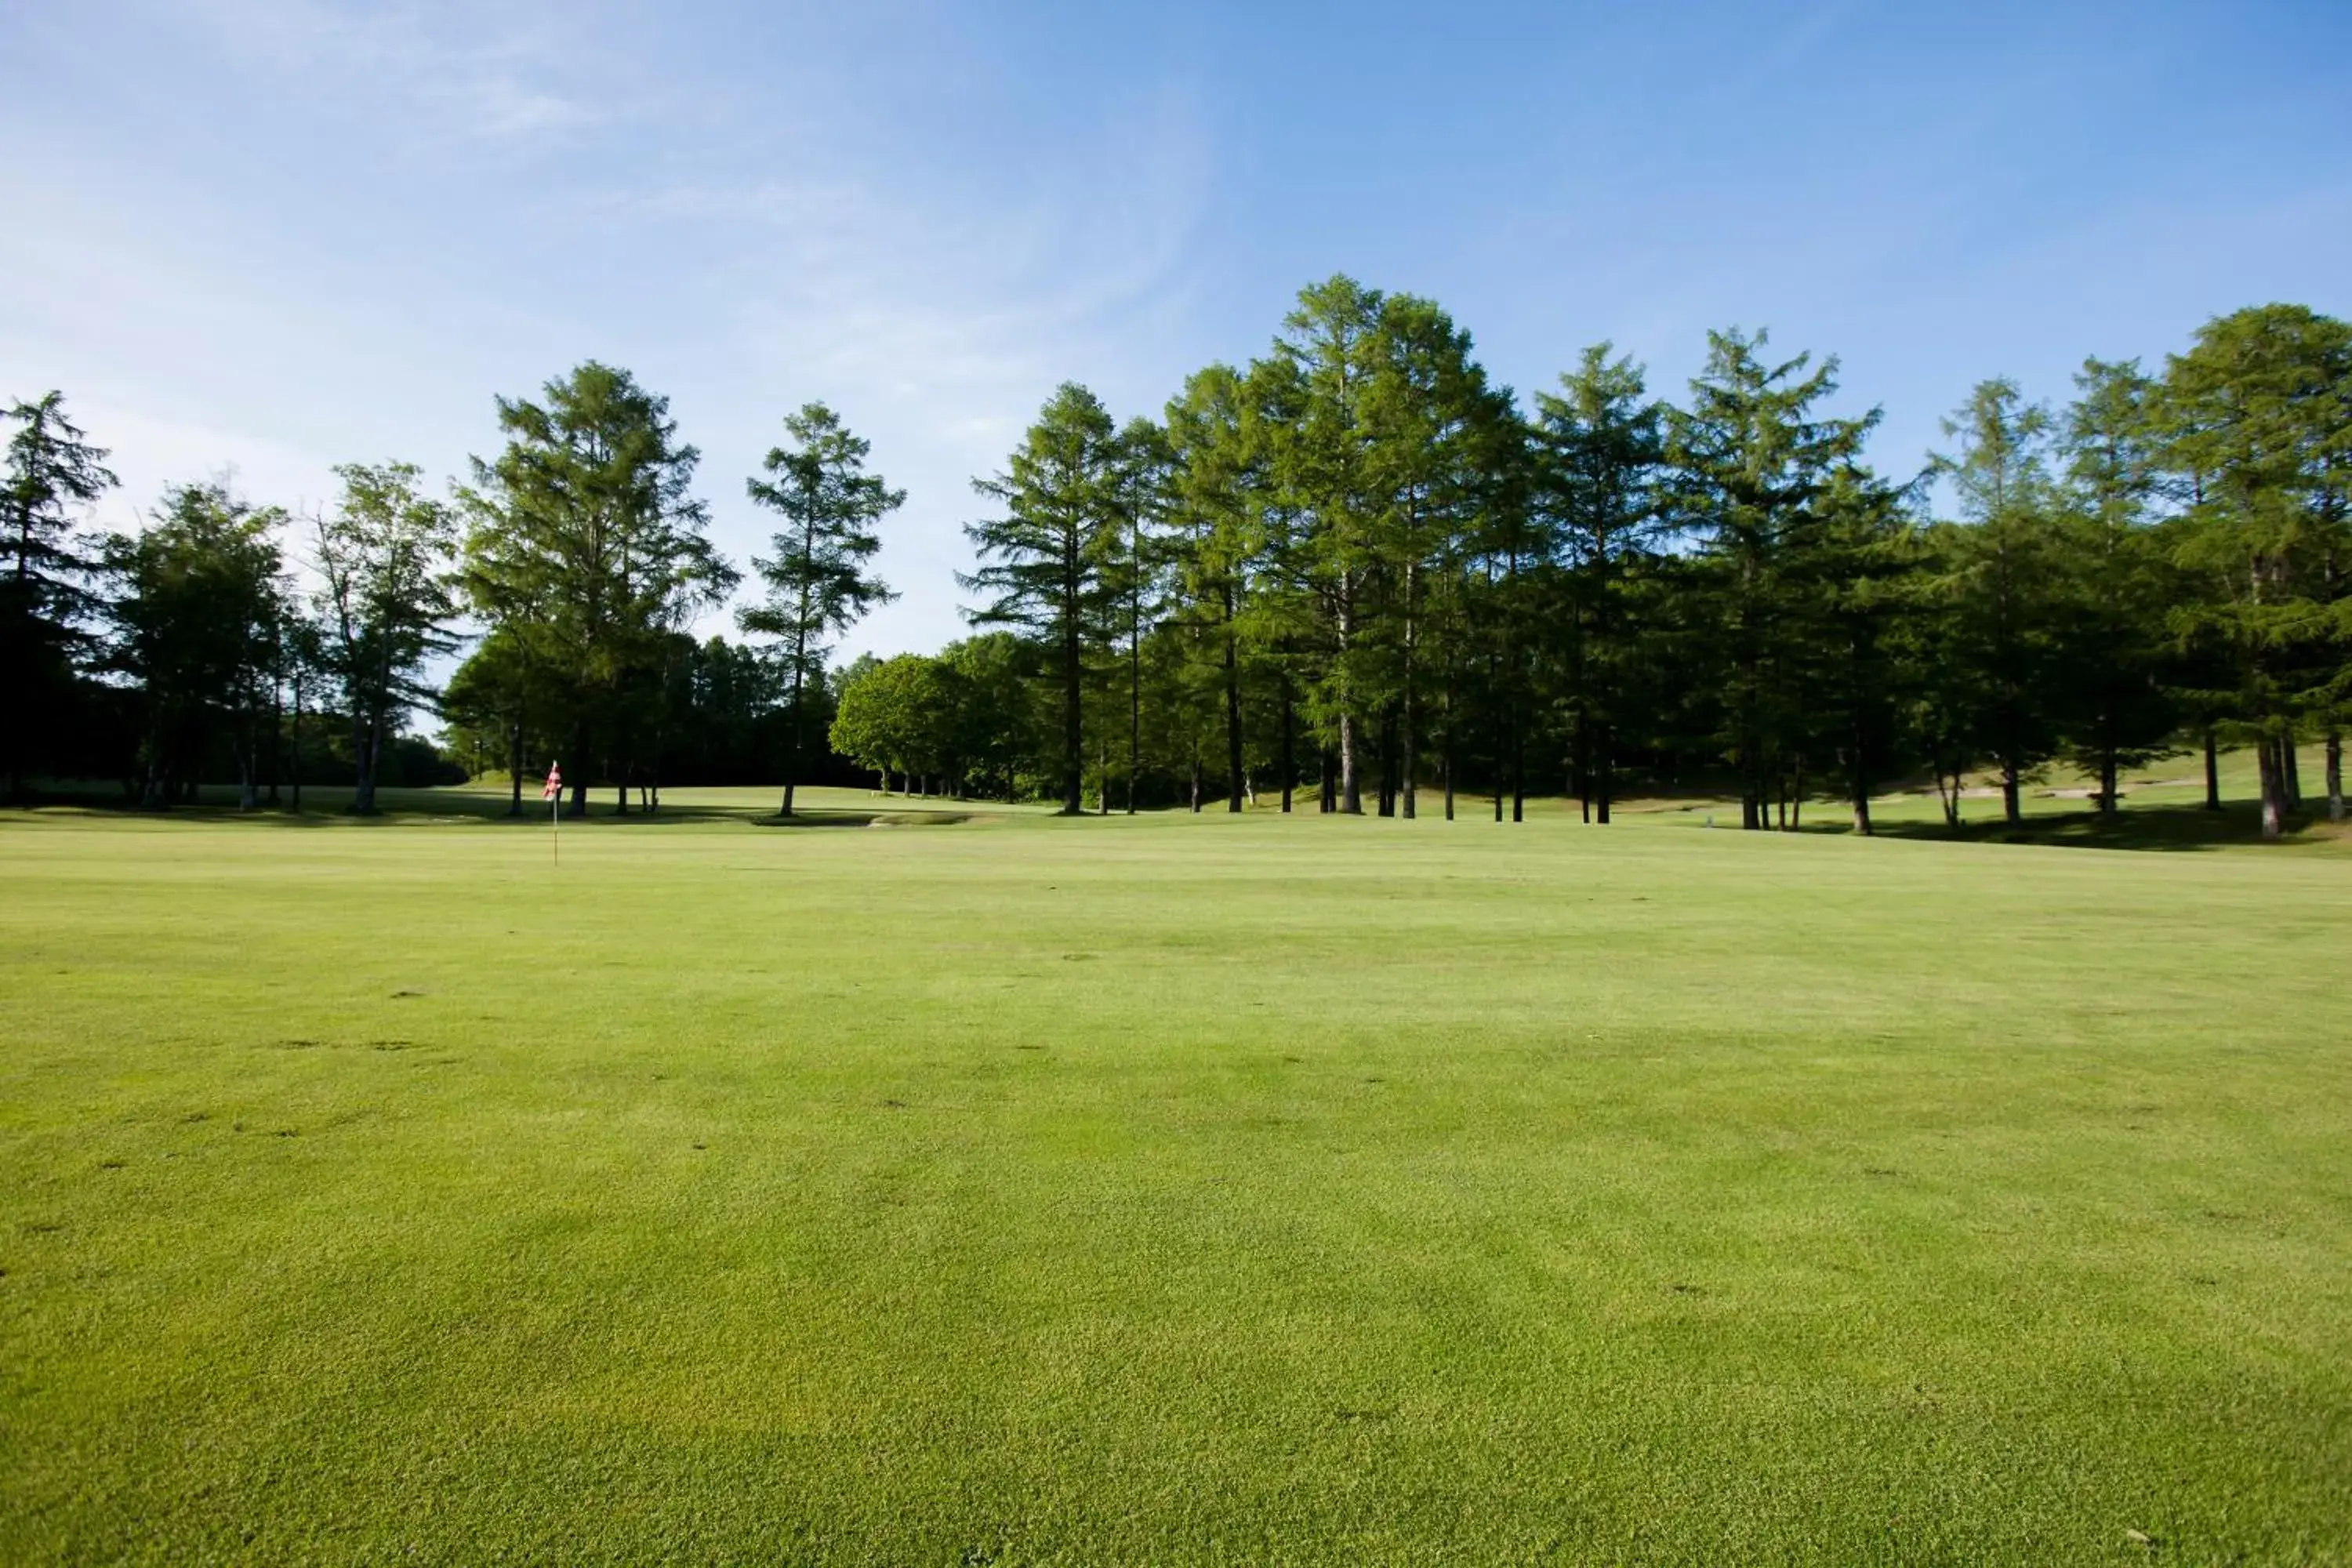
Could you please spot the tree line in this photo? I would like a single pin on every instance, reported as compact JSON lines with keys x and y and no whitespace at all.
{"x":1355,"y":567}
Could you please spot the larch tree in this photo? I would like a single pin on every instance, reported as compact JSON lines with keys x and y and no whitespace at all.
{"x":2119,"y":713}
{"x":52,"y":474}
{"x":1598,"y":450}
{"x":1042,"y":559}
{"x":1331,"y":342}
{"x":1753,"y":458}
{"x":819,"y":580}
{"x":587,"y":542}
{"x":2257,"y":417}
{"x":2007,"y":571}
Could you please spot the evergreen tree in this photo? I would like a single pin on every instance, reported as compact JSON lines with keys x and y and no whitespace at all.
{"x":2256,"y":421}
{"x":1753,"y":460}
{"x":197,"y":605}
{"x":52,"y":473}
{"x":1600,"y":449}
{"x":818,"y":582}
{"x":587,"y":545}
{"x":1042,"y":562}
{"x":2007,"y":573}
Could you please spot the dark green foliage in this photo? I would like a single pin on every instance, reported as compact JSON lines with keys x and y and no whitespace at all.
{"x":587,"y":549}
{"x":1046,"y":564}
{"x":52,"y":473}
{"x":195,"y":612}
{"x":817,"y":581}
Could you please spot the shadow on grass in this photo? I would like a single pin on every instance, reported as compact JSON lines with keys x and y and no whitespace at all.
{"x":2146,"y":828}
{"x":330,"y":807}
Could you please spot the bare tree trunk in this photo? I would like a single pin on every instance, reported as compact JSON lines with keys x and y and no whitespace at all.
{"x":2290,"y":772}
{"x":2274,"y":789}
{"x":1234,"y":782}
{"x":2012,"y":811}
{"x":2108,"y":781}
{"x":2212,"y":773}
{"x":2334,"y":775}
{"x":1445,"y":751}
{"x":514,"y":768}
{"x":1289,"y":759}
{"x":296,"y":790}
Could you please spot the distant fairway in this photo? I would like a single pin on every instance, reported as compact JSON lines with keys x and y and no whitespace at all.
{"x":1180,"y":1189}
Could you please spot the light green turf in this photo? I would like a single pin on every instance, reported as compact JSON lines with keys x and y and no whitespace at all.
{"x":1166,"y":1191}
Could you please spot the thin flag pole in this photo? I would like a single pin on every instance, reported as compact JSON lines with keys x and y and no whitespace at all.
{"x":553,"y":794}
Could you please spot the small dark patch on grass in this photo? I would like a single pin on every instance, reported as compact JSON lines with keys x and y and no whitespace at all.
{"x":894,"y":1105}
{"x":2203,"y":1279}
{"x":1294,"y":1058}
{"x":1028,"y":1047}
{"x":286,"y":1132}
{"x":702,"y":1145}
{"x":1079,"y":957}
{"x":1376,"y":1080}
{"x":1689,"y":1290}
{"x":236,"y":1126}
{"x":109,"y":1164}
{"x":193,"y":1117}
{"x":388,"y":1044}
{"x":399,"y":996}
{"x":43,"y":1226}
{"x":1880,"y":1170}
{"x":297,"y":1045}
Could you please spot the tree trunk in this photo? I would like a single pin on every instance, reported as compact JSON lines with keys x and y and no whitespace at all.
{"x":792,"y":733}
{"x":2334,"y":775}
{"x":1289,"y":762}
{"x":1604,"y":767}
{"x":1518,"y":770}
{"x":1074,"y":735}
{"x":514,"y":768}
{"x":1351,"y":798}
{"x":1861,"y":784}
{"x":2012,"y":811}
{"x":277,"y":733}
{"x":1234,"y":782}
{"x":1445,"y":751}
{"x":2290,"y":772}
{"x":2108,"y":781}
{"x":2212,"y":773}
{"x":363,"y":786}
{"x":2274,"y":789}
{"x":296,"y":763}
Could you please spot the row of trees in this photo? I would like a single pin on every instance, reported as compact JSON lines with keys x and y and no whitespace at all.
{"x":576,"y":560}
{"x":1354,"y":564}
{"x":1357,"y":561}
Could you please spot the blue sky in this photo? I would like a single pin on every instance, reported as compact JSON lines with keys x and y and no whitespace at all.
{"x":282,"y":236}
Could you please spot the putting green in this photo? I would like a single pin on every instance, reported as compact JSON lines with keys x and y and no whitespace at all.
{"x":1167,"y":1190}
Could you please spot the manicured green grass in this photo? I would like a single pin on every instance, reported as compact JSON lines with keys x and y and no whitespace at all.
{"x":1168,"y":1190}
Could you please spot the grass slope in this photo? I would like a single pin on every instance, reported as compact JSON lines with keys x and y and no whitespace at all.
{"x":1172,"y":1190}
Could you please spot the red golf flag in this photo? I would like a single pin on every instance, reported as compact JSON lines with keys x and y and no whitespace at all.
{"x":554,"y":782}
